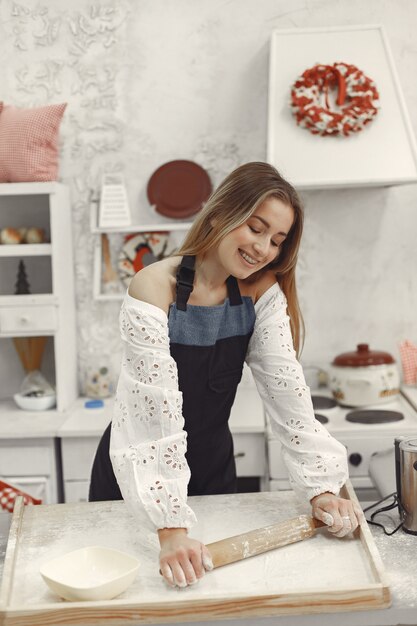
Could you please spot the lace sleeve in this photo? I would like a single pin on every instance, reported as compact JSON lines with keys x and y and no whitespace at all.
{"x":316,"y":462}
{"x":148,"y":443}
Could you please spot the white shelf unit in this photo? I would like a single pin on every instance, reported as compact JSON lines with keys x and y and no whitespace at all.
{"x":160,"y":224}
{"x":34,"y":249}
{"x":50,"y":310}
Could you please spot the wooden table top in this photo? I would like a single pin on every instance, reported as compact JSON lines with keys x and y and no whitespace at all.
{"x":298,"y":578}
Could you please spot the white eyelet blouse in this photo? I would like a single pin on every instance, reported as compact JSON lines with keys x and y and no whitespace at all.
{"x":148,"y":440}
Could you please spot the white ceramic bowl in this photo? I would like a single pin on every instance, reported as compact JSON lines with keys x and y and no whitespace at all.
{"x":92,"y":573}
{"x":33,"y":403}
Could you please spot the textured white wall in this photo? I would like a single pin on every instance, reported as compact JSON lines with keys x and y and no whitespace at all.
{"x":148,"y":81}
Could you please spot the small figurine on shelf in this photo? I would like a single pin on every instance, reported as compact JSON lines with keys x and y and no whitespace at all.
{"x":22,"y":284}
{"x":14,"y":236}
{"x":35,"y":392}
{"x":98,"y":383}
{"x":110,"y":278}
{"x":33,"y":235}
{"x":10,"y":236}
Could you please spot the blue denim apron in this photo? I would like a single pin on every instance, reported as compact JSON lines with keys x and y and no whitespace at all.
{"x":209,"y":345}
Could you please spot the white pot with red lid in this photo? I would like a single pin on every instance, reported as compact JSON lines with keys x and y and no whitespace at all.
{"x":364,"y":377}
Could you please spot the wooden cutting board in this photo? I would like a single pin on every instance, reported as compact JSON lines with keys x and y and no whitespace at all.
{"x":320,"y":574}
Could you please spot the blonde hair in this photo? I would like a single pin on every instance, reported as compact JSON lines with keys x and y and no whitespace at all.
{"x":231,"y":204}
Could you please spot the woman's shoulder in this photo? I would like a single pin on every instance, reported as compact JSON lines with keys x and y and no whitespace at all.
{"x":259,"y":287}
{"x":155,"y":283}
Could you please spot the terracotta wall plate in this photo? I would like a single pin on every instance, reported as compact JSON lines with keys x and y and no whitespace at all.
{"x":178,"y":189}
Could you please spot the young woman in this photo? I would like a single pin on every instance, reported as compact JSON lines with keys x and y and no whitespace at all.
{"x":188,"y":324}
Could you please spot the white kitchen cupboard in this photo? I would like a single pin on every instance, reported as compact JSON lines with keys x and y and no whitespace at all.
{"x":28,"y":444}
{"x":50,"y":308}
{"x":32,"y":465}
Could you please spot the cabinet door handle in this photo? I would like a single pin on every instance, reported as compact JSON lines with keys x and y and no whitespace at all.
{"x":240,"y":455}
{"x":24,"y":319}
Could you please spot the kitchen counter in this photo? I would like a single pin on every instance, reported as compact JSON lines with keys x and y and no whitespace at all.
{"x":398,"y":552}
{"x":18,"y":424}
{"x":247,"y":416}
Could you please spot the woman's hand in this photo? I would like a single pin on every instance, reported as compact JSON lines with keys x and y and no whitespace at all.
{"x":182,"y":560}
{"x":340,"y":515}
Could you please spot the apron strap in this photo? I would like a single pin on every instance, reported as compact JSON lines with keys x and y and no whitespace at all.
{"x":185,"y":284}
{"x":233,"y":291}
{"x":185,"y":281}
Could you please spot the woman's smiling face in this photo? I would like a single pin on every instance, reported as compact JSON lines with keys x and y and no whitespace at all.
{"x":256,"y":243}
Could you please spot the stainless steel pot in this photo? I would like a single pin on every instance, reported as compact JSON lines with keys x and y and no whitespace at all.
{"x":364,"y":377}
{"x":406,"y":474}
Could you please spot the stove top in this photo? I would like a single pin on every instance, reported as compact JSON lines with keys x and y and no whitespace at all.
{"x":397,"y":416}
{"x":321,"y":418}
{"x":359,"y":429}
{"x":374,"y":416}
{"x":323,"y":402}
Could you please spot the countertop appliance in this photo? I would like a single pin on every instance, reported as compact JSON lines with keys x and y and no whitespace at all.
{"x":364,"y":432}
{"x":406,"y":478}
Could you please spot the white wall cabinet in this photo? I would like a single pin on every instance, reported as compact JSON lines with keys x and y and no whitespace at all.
{"x":49,"y":310}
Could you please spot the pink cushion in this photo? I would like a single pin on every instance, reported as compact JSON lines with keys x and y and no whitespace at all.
{"x":29,"y":143}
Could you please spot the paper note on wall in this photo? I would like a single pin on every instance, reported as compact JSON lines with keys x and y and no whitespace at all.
{"x":114,"y":206}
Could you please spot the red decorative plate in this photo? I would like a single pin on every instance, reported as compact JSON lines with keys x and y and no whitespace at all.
{"x":178,"y":189}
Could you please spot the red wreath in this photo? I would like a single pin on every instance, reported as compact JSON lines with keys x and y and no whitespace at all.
{"x":354,"y":88}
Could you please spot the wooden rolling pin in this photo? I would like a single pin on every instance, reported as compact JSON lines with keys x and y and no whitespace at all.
{"x":261,"y":540}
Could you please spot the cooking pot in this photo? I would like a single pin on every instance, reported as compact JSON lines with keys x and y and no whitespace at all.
{"x":364,"y":377}
{"x":406,"y":477}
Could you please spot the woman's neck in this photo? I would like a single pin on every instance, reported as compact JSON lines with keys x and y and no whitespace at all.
{"x":209,"y":274}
